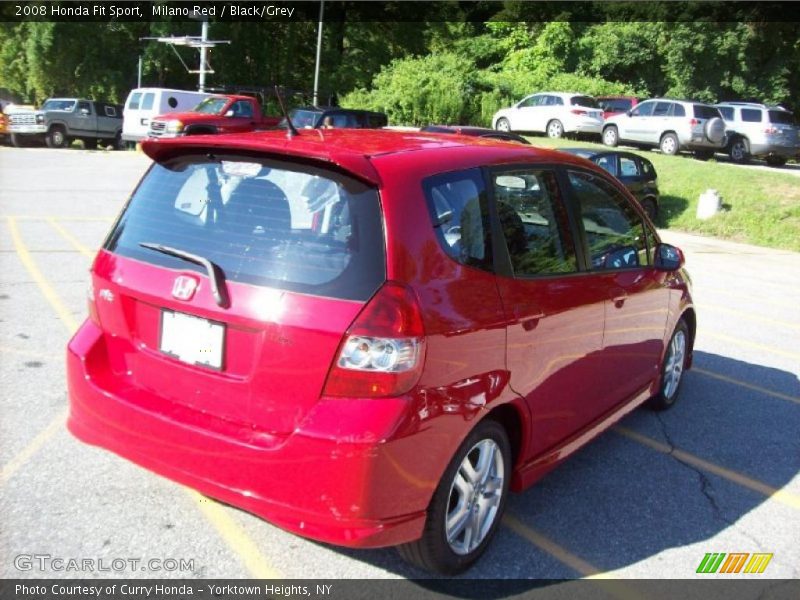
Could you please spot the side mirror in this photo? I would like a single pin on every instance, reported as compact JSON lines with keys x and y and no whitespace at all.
{"x":668,"y":258}
{"x":629,"y":112}
{"x":229,"y":113}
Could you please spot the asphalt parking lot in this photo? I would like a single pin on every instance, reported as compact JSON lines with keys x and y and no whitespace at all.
{"x":718,"y":473}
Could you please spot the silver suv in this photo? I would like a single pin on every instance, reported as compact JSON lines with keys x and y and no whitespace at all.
{"x":768,"y":132}
{"x":672,"y":125}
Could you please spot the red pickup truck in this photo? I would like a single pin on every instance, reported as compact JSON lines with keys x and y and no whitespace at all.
{"x":216,"y":114}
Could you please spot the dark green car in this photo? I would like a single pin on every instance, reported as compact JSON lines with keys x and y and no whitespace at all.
{"x":635,"y":172}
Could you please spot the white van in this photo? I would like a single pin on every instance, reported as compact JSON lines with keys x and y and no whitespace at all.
{"x":144,"y":104}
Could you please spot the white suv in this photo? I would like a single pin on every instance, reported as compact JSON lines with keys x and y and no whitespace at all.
{"x":555,"y":113}
{"x":672,"y":125}
{"x":768,"y":132}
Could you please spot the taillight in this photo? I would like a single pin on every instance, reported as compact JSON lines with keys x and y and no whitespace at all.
{"x":383,"y":351}
{"x":771,"y":130}
{"x":578,"y":111}
{"x":694,"y":122}
{"x":90,"y":302}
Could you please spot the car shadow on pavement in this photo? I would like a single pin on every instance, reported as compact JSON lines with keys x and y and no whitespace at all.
{"x":618,"y":502}
{"x":670,"y":207}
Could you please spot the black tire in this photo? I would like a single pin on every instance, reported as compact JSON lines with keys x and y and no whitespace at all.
{"x":671,"y":369}
{"x":555,"y":129}
{"x":776,"y":161}
{"x":18,"y":141}
{"x":502,"y":124}
{"x":704,"y":154}
{"x":90,"y":144}
{"x":611,"y":136}
{"x":739,"y":151}
{"x":651,"y":208}
{"x":669,"y":144}
{"x":433,"y":552}
{"x":56,"y":138}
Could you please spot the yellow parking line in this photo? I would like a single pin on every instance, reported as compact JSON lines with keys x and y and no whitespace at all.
{"x":744,"y":384}
{"x":70,"y":238}
{"x":563,"y":555}
{"x":760,"y":299}
{"x":11,"y":467}
{"x":781,"y":496}
{"x":236,"y":538}
{"x":746,"y":315}
{"x":60,"y":218}
{"x":577,"y":564}
{"x":49,"y":293}
{"x":748,"y":344}
{"x":31,"y":353}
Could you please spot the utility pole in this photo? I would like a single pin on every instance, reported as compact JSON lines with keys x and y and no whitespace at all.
{"x":201,"y":86}
{"x":319,"y":51}
{"x":202,"y":43}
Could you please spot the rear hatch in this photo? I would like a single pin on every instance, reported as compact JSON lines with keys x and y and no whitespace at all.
{"x":784,"y":128}
{"x":229,"y":280}
{"x":707,"y":125}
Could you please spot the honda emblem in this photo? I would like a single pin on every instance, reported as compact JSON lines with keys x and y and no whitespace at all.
{"x":184,"y":287}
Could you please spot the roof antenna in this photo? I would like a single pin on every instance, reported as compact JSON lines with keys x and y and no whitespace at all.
{"x":291,"y":130}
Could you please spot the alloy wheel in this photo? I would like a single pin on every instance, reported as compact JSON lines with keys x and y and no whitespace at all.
{"x":475,"y":497}
{"x":673,"y":368}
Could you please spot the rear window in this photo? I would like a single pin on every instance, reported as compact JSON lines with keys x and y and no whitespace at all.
{"x":147,"y":101}
{"x":263,"y":222}
{"x":133,"y":102}
{"x":587,"y":101}
{"x":781,"y":117}
{"x":702,"y":111}
{"x":617,"y":104}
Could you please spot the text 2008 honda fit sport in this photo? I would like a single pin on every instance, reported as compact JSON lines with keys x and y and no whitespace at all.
{"x":368,"y":338}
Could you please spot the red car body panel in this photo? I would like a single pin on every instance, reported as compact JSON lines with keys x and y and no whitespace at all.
{"x":260,"y":433}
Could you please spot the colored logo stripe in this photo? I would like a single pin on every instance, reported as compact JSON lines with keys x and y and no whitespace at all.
{"x":713,"y":562}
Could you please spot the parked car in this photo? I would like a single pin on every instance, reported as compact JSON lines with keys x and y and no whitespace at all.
{"x":61,"y":120}
{"x":216,"y":114}
{"x":761,"y":131}
{"x":555,"y":113}
{"x":483,"y":132}
{"x":614,"y":105}
{"x":635,"y":172}
{"x":145,"y":104}
{"x":369,"y":337}
{"x":671,"y":125}
{"x":335,"y":117}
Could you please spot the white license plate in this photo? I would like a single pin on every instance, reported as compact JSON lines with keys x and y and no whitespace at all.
{"x":191,"y":339}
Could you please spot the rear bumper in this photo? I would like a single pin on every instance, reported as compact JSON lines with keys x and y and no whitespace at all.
{"x":329,"y":487}
{"x":760,"y":150}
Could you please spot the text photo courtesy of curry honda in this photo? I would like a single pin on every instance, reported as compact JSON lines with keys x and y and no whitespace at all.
{"x":384,"y":293}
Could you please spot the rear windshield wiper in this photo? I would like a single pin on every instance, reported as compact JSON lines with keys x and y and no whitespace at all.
{"x":215,"y":274}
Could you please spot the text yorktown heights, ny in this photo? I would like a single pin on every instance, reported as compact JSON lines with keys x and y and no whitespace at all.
{"x":168,"y":589}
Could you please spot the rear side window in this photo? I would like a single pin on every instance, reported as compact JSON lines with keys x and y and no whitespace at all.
{"x":133,"y":103}
{"x":534,"y":222}
{"x":678,"y":110}
{"x":263,"y":222}
{"x":662,"y":109}
{"x":110,"y":111}
{"x":614,"y":230}
{"x":750,"y":115}
{"x":781,"y":117}
{"x":702,"y":111}
{"x":460,"y":211}
{"x":628,"y":167}
{"x":584,"y":101}
{"x":726,"y":112}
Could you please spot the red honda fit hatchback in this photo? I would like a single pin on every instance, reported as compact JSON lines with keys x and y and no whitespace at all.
{"x":368,"y":338}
